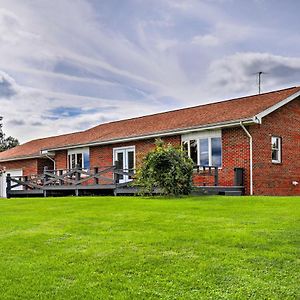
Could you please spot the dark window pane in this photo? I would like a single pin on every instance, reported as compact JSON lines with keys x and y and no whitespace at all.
{"x":130,"y":161}
{"x":73,"y":162}
{"x":69,"y":162}
{"x":275,"y":155}
{"x":194,"y":151}
{"x":86,"y":159}
{"x":79,"y":160}
{"x":216,"y":152}
{"x":120,"y":164}
{"x":204,"y":157}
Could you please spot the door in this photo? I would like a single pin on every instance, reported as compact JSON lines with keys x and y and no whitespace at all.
{"x":124,"y":160}
{"x":16,"y":172}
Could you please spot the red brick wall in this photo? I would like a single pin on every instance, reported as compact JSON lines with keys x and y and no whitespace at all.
{"x":101,"y":156}
{"x":276,"y":179}
{"x":29,"y":166}
{"x":61,"y":159}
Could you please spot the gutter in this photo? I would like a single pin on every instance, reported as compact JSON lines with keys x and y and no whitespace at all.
{"x":53,"y":160}
{"x":251,"y":156}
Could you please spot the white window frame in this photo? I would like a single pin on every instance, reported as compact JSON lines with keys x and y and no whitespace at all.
{"x":128,"y":148}
{"x":76,"y":151}
{"x":279,"y":149}
{"x":124,"y":148}
{"x":209,"y":134}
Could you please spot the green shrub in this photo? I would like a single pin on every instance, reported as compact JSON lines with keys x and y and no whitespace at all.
{"x":167,"y":168}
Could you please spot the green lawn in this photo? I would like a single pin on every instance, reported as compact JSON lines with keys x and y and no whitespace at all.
{"x":139,"y":248}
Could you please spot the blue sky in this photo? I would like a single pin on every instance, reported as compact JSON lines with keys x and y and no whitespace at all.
{"x":69,"y":65}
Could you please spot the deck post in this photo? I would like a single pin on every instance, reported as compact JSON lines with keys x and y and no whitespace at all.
{"x":8,"y":185}
{"x":60,"y":173}
{"x":77,"y":174}
{"x":216,"y":176}
{"x":96,"y":180}
{"x":45,"y":175}
{"x":26,"y":179}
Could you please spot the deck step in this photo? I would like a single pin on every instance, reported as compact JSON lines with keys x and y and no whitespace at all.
{"x":233,"y":193}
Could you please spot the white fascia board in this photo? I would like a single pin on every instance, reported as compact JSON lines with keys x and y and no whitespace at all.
{"x":160,"y":134}
{"x":20,"y":158}
{"x":269,"y":110}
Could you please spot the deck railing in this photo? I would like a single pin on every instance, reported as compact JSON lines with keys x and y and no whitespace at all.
{"x":72,"y":179}
{"x":208,"y":171}
{"x":79,"y":179}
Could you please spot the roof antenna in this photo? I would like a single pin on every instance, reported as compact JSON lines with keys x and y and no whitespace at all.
{"x":259,"y":80}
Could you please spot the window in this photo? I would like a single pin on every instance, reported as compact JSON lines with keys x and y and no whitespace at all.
{"x":205,"y":149}
{"x":276,"y":149}
{"x":124,"y":159}
{"x":79,"y":157}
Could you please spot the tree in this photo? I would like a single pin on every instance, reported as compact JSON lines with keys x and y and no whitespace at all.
{"x":167,"y":168}
{"x":6,"y":142}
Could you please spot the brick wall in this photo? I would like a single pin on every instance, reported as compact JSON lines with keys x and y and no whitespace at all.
{"x":29,"y":166}
{"x":61,"y":159}
{"x":276,"y":179}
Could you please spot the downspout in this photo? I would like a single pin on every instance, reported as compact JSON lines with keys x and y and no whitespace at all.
{"x":51,"y":159}
{"x":251,"y":157}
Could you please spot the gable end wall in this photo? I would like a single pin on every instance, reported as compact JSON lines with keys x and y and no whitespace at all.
{"x":276,"y":179}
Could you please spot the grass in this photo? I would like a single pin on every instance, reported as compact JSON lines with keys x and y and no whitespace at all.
{"x":139,"y":248}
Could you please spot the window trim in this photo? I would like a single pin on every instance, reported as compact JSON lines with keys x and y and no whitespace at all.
{"x":115,"y":150}
{"x":81,"y":151}
{"x":279,"y":160}
{"x":203,"y":135}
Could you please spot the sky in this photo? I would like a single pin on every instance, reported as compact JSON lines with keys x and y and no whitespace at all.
{"x":67,"y":65}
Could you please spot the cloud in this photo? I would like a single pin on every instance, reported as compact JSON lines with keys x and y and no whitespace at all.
{"x":238,"y":72}
{"x":8,"y":86}
{"x":205,"y":40}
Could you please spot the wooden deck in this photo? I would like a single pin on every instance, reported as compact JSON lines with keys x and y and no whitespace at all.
{"x":99,"y":181}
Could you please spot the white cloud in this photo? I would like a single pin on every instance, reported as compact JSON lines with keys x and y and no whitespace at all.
{"x":206,"y":40}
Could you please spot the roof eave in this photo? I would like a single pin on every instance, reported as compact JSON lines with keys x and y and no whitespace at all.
{"x":20,"y":158}
{"x":276,"y":106}
{"x":159,"y":134}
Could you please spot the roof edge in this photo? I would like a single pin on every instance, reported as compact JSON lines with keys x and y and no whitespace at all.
{"x":248,"y":121}
{"x":276,"y":106}
{"x":20,"y":158}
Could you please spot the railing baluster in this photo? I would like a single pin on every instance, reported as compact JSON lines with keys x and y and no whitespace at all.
{"x":8,"y":185}
{"x":96,"y":180}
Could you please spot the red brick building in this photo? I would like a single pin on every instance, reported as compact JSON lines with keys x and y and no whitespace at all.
{"x":259,"y":133}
